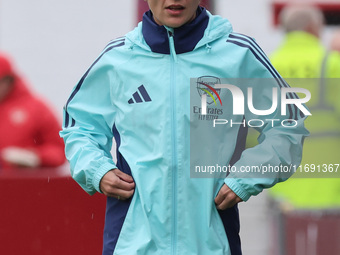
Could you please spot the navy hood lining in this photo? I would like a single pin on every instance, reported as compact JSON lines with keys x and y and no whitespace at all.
{"x":185,"y":37}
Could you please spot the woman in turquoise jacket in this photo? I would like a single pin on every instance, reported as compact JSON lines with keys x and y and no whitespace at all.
{"x":145,"y":91}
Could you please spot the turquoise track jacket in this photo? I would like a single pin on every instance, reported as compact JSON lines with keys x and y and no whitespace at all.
{"x":138,"y":92}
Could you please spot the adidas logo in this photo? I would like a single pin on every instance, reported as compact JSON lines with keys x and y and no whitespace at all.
{"x":137,"y":97}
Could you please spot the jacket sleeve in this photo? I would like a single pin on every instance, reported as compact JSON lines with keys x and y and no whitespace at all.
{"x":87,"y":128}
{"x":279,"y":145}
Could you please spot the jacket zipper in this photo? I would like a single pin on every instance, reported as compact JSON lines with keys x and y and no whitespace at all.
{"x":173,"y":59}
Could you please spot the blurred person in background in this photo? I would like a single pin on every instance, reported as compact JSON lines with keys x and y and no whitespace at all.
{"x":335,"y":41}
{"x":301,"y":55}
{"x":28,"y":128}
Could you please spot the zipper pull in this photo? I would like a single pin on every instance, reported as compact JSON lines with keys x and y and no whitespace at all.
{"x":172,"y":45}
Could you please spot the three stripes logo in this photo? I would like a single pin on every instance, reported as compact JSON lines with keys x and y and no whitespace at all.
{"x":140,"y":95}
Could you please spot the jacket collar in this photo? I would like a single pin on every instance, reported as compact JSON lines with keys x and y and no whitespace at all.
{"x":185,"y":37}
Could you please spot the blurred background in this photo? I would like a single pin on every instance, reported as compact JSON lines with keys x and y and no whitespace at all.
{"x":52,"y":44}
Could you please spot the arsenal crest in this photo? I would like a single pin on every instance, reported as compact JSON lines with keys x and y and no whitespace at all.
{"x":205,"y":85}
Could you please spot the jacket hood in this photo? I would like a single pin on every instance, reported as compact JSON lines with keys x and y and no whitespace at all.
{"x":204,"y":29}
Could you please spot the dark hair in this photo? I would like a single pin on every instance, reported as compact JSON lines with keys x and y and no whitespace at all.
{"x":8,"y":79}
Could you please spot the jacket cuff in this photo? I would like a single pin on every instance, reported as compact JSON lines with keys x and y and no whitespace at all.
{"x":100,"y":173}
{"x":237,"y":188}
